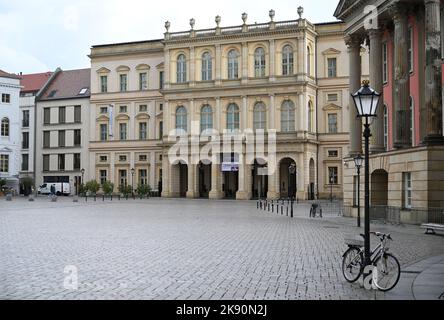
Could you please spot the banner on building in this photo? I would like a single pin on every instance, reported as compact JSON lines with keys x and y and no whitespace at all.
{"x":111,"y":120}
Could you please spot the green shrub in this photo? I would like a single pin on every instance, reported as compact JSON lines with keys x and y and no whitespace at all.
{"x":143,"y":190}
{"x":93,"y":187}
{"x":108,"y":188}
{"x":125,"y":190}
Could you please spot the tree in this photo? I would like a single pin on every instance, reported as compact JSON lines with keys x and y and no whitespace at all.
{"x":125,"y":190}
{"x":143,"y":190}
{"x":93,"y":186}
{"x":2,"y":184}
{"x":108,"y":188}
{"x":27,"y":184}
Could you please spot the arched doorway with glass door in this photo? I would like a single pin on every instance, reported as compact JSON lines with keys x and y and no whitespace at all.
{"x":288,"y":178}
{"x":259,"y":172}
{"x":204,"y":168}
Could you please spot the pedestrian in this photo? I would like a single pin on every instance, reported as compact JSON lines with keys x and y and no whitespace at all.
{"x":53,"y":190}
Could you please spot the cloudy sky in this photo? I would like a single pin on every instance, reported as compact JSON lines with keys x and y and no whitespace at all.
{"x":41,"y":35}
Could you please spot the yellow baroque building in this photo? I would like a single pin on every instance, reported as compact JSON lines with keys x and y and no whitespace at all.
{"x":289,"y":79}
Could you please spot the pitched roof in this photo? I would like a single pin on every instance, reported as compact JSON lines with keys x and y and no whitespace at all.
{"x":4,"y":74}
{"x":69,"y":85}
{"x":34,"y":82}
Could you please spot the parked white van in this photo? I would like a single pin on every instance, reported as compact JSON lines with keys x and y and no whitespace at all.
{"x":60,"y":188}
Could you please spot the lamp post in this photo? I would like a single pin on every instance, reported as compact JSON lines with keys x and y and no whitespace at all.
{"x":358,"y":164}
{"x":133,"y":171}
{"x":291,"y":171}
{"x":83,"y":175}
{"x":366,"y":102}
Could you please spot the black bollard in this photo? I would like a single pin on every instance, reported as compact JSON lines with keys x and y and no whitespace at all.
{"x":282,"y":210}
{"x":292,"y":208}
{"x":287,"y":210}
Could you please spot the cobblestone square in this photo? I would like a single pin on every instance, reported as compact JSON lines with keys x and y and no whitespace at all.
{"x":182,"y":249}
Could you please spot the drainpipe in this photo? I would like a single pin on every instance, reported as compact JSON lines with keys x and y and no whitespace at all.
{"x":317,"y":118}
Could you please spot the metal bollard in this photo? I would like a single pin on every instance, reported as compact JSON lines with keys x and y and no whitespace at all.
{"x":272,"y":206}
{"x":282,"y":210}
{"x":292,"y":209}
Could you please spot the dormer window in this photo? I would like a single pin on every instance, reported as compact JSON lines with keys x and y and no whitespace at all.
{"x":83,"y":91}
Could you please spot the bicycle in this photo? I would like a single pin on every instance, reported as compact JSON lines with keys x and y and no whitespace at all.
{"x":387,"y":266}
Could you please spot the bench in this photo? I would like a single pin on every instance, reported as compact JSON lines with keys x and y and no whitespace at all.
{"x":431,"y":228}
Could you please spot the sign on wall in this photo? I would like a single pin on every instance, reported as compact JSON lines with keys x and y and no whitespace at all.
{"x":111,"y":119}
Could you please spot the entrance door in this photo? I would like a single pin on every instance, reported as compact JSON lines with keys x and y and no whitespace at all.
{"x":183,"y":179}
{"x":204,"y":180}
{"x":231,"y":184}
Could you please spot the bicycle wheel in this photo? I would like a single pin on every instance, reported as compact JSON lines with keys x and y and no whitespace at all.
{"x":389,"y":272}
{"x":352,"y":263}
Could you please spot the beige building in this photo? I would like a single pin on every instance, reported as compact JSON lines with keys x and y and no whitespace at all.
{"x":62,"y":122}
{"x":406,"y":164}
{"x":289,"y":76}
{"x":126,"y":114}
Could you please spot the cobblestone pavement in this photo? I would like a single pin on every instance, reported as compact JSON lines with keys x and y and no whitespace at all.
{"x":181,"y":249}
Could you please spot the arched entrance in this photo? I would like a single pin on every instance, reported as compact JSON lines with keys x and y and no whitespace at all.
{"x":288,"y":178}
{"x":180,"y":179}
{"x":259,"y":179}
{"x":379,"y":188}
{"x":204,"y":168}
{"x":312,"y":178}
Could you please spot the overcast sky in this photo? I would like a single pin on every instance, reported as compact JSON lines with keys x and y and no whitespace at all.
{"x":41,"y":35}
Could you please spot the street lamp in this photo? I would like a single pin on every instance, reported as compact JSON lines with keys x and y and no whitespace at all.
{"x":292,"y":170}
{"x":366,"y":102}
{"x":358,"y":164}
{"x":83,"y":174}
{"x":133,"y":171}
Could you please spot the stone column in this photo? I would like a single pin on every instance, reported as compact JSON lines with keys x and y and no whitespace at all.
{"x":244,"y":62}
{"x":401,"y":97}
{"x":244,"y":114}
{"x":243,"y":193}
{"x":192,"y":75}
{"x":273,"y":190}
{"x":218,"y":63}
{"x":217,"y":121}
{"x":377,"y":128}
{"x":167,"y":76}
{"x":192,"y":181}
{"x":216,"y":182}
{"x":354,"y":51}
{"x":433,"y":74}
{"x":272,"y":61}
{"x":271,"y":113}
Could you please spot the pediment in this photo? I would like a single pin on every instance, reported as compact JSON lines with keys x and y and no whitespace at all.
{"x":331,"y":51}
{"x":160,"y":66}
{"x":122,"y":117}
{"x":103,"y":70}
{"x":142,"y":116}
{"x":6,"y":149}
{"x":123,"y":69}
{"x":143,"y":67}
{"x":102,"y":117}
{"x":331,"y":107}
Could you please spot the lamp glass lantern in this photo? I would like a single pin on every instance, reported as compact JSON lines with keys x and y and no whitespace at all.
{"x":366,"y":100}
{"x":359,"y":160}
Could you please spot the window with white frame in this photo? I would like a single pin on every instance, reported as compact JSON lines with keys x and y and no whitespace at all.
{"x":288,"y":116}
{"x":143,"y":177}
{"x":260,"y":116}
{"x":233,"y":117}
{"x":181,"y":69}
{"x":123,"y":129}
{"x":123,"y":178}
{"x":103,"y":176}
{"x":5,"y":127}
{"x":332,"y":123}
{"x":410,"y":48}
{"x":207,"y":67}
{"x":310,"y":117}
{"x":385,"y":62}
{"x":385,"y":127}
{"x":332,"y":67}
{"x":103,"y":84}
{"x":206,"y":118}
{"x":6,"y":98}
{"x":308,"y":60}
{"x":233,"y":64}
{"x":123,"y":82}
{"x":332,"y":97}
{"x":143,"y":81}
{"x":103,"y":132}
{"x":4,"y":163}
{"x":181,"y":119}
{"x":407,"y":187}
{"x":287,"y":61}
{"x":259,"y":63}
{"x":143,"y":131}
{"x":333,"y":177}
